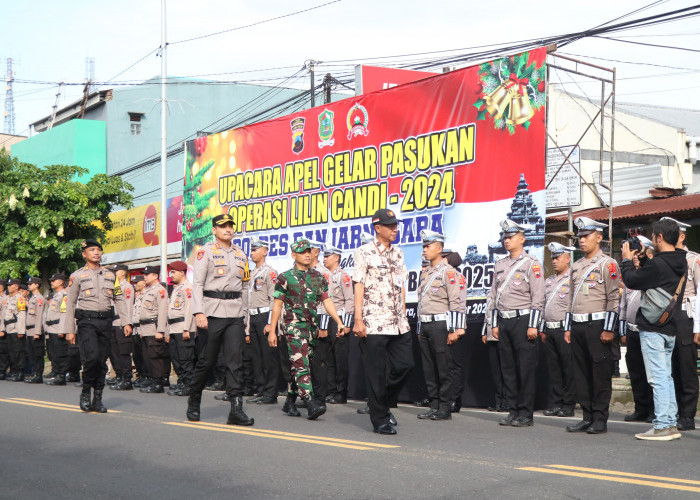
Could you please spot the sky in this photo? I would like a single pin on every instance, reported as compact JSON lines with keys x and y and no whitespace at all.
{"x":49,"y":41}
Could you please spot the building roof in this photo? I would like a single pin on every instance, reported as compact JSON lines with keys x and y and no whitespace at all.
{"x":681,"y":118}
{"x":72,"y":110}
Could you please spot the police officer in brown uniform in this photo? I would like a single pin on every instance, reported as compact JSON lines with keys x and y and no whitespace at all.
{"x":139,"y":284}
{"x":334,"y":349}
{"x":35,"y":338}
{"x":181,"y":329}
{"x":220,"y":305}
{"x":595,"y":281}
{"x":54,"y":326}
{"x":122,"y":345}
{"x":153,"y":323}
{"x":516,"y":303}
{"x":441,"y":321}
{"x":89,"y":316}
{"x":14,"y":326}
{"x":266,"y":364}
{"x":4,"y":357}
{"x":556,"y":321}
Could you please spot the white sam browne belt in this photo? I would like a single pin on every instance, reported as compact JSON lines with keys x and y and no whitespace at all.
{"x":582,"y":318}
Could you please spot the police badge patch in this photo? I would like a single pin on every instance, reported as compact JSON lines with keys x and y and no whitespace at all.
{"x":297,"y":125}
{"x":326,"y":128}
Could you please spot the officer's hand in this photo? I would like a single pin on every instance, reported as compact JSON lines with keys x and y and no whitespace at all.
{"x":272,"y":339}
{"x":322,"y":334}
{"x":20,"y":335}
{"x":483,"y":338}
{"x":128,"y":330}
{"x":201,"y":321}
{"x":247,"y":339}
{"x":360,"y":329}
{"x":607,"y":337}
{"x":36,"y":337}
{"x":494,"y":332}
{"x":159,"y":336}
{"x":70,"y":337}
{"x":61,"y":335}
{"x":267,"y":329}
{"x":567,"y":337}
{"x":346,"y":330}
{"x":697,"y":338}
{"x":531,"y":333}
{"x":2,"y":334}
{"x":452,"y":338}
{"x":543,"y":336}
{"x":167,"y":339}
{"x":623,"y":340}
{"x":185,"y":335}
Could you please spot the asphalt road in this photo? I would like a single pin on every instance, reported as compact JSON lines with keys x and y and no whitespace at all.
{"x":145,"y":448}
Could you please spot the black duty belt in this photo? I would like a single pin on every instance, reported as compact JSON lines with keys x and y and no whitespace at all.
{"x":82,"y":313}
{"x":136,"y":324}
{"x":10,"y":321}
{"x":148,"y":321}
{"x":53,"y":322}
{"x":29,"y":327}
{"x":222,"y":295}
{"x":172,"y":321}
{"x":116,"y":316}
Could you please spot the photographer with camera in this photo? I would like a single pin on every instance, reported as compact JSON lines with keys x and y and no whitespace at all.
{"x":662,"y":279}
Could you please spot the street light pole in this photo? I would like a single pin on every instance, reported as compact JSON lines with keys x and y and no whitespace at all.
{"x":163,"y":150}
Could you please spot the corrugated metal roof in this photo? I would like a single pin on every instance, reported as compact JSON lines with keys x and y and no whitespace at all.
{"x":630,"y":183}
{"x":649,"y":208}
{"x":682,"y":118}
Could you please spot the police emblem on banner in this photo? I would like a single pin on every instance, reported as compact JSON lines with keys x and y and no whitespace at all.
{"x":326,"y":129}
{"x":298,"y":134}
{"x":358,"y":119}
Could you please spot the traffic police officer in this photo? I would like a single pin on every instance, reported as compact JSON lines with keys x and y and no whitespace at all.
{"x":442,"y":320}
{"x":54,"y":326}
{"x":89,"y":316}
{"x":265,"y":358}
{"x":220,"y":305}
{"x":153,"y":322}
{"x":556,"y":321}
{"x":14,"y":326}
{"x":181,"y":329}
{"x":516,"y":303}
{"x":594,"y":310}
{"x":35,"y":337}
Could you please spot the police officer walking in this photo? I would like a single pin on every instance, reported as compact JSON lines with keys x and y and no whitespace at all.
{"x":220,"y":305}
{"x":14,"y":326}
{"x":594,"y":311}
{"x":181,"y":329}
{"x":556,"y":322}
{"x":54,"y":326}
{"x":35,"y":337}
{"x":516,"y":303}
{"x":153,"y":323}
{"x":89,"y":315}
{"x":441,"y":322}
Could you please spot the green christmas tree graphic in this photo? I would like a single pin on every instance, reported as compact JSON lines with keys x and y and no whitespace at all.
{"x":196,"y":218}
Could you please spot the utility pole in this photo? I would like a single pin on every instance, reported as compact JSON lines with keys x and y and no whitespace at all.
{"x":327,"y":88}
{"x":163,"y":150}
{"x":313,"y":85}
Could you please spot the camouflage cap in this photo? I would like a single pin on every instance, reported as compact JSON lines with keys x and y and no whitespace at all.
{"x":300,"y":245}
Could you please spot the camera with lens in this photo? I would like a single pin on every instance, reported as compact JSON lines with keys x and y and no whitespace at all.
{"x":635,"y":244}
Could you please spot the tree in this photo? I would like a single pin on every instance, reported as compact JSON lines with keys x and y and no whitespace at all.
{"x":46,"y":213}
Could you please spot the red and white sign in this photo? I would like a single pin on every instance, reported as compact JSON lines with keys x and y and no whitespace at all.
{"x":371,"y":78}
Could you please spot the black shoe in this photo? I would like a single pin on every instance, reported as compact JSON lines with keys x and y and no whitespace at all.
{"x":156,"y":388}
{"x":289,"y":407}
{"x":141,"y":382}
{"x":185,"y":391}
{"x":17,"y":377}
{"x":650,"y":418}
{"x":522,"y":422}
{"x":34,"y":379}
{"x":337,"y":400}
{"x":423,"y":403}
{"x":441,"y":415}
{"x":597,"y":428}
{"x":636,"y":417}
{"x":268,"y":400}
{"x":51,"y":374}
{"x":57,"y":380}
{"x":85,"y":399}
{"x":565,"y":412}
{"x":427,"y":414}
{"x":222,"y":397}
{"x":254,"y":399}
{"x":455,"y":407}
{"x":581,"y":426}
{"x":492,"y":408}
{"x":686,"y":424}
{"x":507,"y":420}
{"x":193,"y":403}
{"x":249,"y":391}
{"x":503,"y":409}
{"x":97,"y":405}
{"x":385,"y":429}
{"x":72,"y":377}
{"x":3,"y":376}
{"x":124,"y":384}
{"x":363,"y":411}
{"x":237,"y":416}
{"x":314,"y":408}
{"x":112,"y":380}
{"x":165,"y":382}
{"x":218,"y":385}
{"x":551,"y":412}
{"x":301,"y":404}
{"x":392,"y":420}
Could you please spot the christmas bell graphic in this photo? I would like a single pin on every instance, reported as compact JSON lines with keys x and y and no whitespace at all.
{"x":511,"y":95}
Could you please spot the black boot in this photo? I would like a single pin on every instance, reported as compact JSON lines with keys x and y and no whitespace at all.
{"x":57,"y":380}
{"x":289,"y":407}
{"x":218,"y":385}
{"x":155,"y":388}
{"x":97,"y":405}
{"x":313,"y":408}
{"x":237,"y":416}
{"x":125,"y":384}
{"x":193,"y":403}
{"x":85,"y":399}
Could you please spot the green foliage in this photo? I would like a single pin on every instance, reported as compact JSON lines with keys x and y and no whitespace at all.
{"x":59,"y":207}
{"x":196,"y":219}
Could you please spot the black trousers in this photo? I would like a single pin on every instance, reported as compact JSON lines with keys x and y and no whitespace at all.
{"x":518,"y":365}
{"x":684,"y":365}
{"x":285,"y":380}
{"x":641,"y":390}
{"x":265,"y":358}
{"x":139,"y":362}
{"x":182,"y":356}
{"x":457,"y":370}
{"x":594,"y":364}
{"x":249,"y":379}
{"x":155,"y":353}
{"x":496,"y":373}
{"x":93,"y":339}
{"x":59,"y":363}
{"x":318,"y":356}
{"x":49,"y":348}
{"x":74,"y":361}
{"x":4,"y":355}
{"x":338,"y":361}
{"x":561,"y":369}
{"x":17,"y":347}
{"x":228,"y":336}
{"x":35,"y":353}
{"x":120,"y":350}
{"x":387,"y":359}
{"x":437,"y":364}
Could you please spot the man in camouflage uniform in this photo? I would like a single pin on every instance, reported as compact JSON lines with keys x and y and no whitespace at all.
{"x":181,"y":329}
{"x":153,"y":322}
{"x":4,"y":358}
{"x":54,"y":326}
{"x":13,"y":325}
{"x":300,"y":290}
{"x":35,"y":338}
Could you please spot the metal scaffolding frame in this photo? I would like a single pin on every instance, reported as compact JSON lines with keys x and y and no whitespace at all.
{"x":606,"y":77}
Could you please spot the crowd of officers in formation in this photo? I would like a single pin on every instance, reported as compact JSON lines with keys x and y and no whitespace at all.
{"x":252,"y":332}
